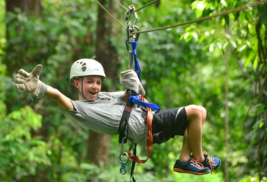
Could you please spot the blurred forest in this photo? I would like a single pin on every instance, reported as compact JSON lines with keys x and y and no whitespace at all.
{"x":219,"y":63}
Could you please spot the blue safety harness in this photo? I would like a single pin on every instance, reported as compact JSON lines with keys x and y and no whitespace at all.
{"x":147,"y":116}
{"x":135,"y":98}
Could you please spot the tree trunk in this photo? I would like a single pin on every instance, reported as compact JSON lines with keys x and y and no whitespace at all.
{"x":27,"y":6}
{"x":98,"y":144}
{"x":261,"y":93}
{"x":106,"y":53}
{"x":227,"y":129}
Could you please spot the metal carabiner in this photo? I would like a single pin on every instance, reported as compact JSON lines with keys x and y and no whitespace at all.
{"x":128,"y":36}
{"x":123,"y":162}
{"x":127,"y":42}
{"x":127,"y":14}
{"x":124,"y":140}
{"x":131,"y":35}
{"x":132,"y":10}
{"x":132,"y":29}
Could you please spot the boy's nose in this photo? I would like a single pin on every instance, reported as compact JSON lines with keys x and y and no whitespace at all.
{"x":94,"y":85}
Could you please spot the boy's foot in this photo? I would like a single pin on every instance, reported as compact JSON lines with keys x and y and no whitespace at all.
{"x":211,"y":162}
{"x":191,"y":166}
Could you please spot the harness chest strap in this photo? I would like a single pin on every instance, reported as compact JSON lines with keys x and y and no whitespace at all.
{"x":149,"y":136}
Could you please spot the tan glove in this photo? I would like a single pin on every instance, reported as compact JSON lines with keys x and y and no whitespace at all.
{"x":130,"y":80}
{"x":30,"y":83}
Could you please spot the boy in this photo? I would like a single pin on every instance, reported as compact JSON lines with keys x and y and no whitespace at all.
{"x":102,"y":111}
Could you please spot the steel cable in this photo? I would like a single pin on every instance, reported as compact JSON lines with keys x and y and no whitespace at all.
{"x":205,"y":18}
{"x":122,"y":5}
{"x":242,"y":8}
{"x":145,"y":6}
{"x":109,"y":13}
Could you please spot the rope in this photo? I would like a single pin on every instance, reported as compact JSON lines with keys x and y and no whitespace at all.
{"x":109,"y":13}
{"x":145,"y":6}
{"x":137,"y":9}
{"x":122,"y":5}
{"x":242,"y":8}
{"x":206,"y":18}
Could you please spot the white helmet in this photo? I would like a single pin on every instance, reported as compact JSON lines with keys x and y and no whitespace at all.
{"x":86,"y":67}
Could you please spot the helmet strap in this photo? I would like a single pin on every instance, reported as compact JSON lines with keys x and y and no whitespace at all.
{"x":81,"y":93}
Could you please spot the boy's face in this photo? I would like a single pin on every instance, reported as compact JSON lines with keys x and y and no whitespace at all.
{"x":91,"y":86}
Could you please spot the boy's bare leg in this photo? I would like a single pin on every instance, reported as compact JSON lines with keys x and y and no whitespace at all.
{"x":196,"y":116}
{"x":186,"y":149}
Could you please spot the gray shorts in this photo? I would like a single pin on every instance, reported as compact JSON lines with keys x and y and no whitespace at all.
{"x":170,"y":122}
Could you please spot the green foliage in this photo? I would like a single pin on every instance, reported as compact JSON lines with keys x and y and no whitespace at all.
{"x":252,"y":178}
{"x":20,"y":153}
{"x":180,"y":66}
{"x":237,"y":33}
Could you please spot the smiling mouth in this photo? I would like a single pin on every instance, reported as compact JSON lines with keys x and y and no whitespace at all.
{"x":93,"y":93}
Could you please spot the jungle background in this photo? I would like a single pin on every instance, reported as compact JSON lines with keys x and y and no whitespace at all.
{"x":219,"y":63}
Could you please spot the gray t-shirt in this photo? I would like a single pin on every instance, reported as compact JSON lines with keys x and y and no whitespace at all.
{"x":104,"y":114}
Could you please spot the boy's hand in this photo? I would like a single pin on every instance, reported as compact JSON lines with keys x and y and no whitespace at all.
{"x":130,"y":80}
{"x":30,"y":83}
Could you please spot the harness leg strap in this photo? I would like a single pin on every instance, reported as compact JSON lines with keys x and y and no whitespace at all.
{"x":124,"y":120}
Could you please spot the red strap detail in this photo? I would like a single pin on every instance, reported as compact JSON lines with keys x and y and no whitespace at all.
{"x":128,"y":109}
{"x":149,"y":136}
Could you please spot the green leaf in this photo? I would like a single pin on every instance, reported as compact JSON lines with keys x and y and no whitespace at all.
{"x":257,"y":125}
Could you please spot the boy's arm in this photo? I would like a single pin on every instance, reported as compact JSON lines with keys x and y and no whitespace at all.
{"x":62,"y":100}
{"x":30,"y":83}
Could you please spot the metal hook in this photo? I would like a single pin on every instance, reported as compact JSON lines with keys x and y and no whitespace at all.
{"x":132,"y":10}
{"x":124,"y":140}
{"x":136,"y":37}
{"x":127,"y":14}
{"x":123,"y":163}
{"x":130,"y":33}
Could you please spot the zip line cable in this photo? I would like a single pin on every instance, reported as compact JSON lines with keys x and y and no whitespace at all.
{"x":122,"y":5}
{"x":145,"y":6}
{"x":206,"y":18}
{"x":124,"y":8}
{"x":242,"y":8}
{"x":138,"y":8}
{"x":109,"y":13}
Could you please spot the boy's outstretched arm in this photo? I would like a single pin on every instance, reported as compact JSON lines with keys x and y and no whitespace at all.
{"x":62,"y":100}
{"x":30,"y":83}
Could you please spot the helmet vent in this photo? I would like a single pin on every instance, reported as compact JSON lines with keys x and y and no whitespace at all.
{"x":83,"y":68}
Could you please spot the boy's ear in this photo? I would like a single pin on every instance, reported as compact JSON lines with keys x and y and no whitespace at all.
{"x":76,"y":84}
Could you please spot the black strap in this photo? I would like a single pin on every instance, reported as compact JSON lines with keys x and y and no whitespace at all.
{"x":144,"y":114}
{"x":123,"y":123}
{"x":133,"y":164}
{"x":124,"y":120}
{"x":125,"y":116}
